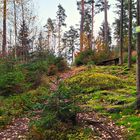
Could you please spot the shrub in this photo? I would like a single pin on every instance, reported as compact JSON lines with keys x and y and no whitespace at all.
{"x":52,"y":70}
{"x":58,"y":115}
{"x":63,"y":103}
{"x":133,"y":59}
{"x":48,"y":64}
{"x":84,"y":57}
{"x":93,"y":56}
{"x":12,"y":78}
{"x":15,"y":106}
{"x":61,"y":64}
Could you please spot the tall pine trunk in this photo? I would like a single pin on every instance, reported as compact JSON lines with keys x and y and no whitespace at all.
{"x":15,"y":28}
{"x":4,"y":28}
{"x":24,"y":49}
{"x":121,"y":34}
{"x":138,"y":56}
{"x":92,"y":34}
{"x":59,"y":39}
{"x":129,"y":33}
{"x":106,"y":23}
{"x":82,"y":26}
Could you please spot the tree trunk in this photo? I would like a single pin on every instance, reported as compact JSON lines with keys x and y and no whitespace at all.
{"x":138,"y":56}
{"x":48,"y":39}
{"x":92,"y":34}
{"x":4,"y":28}
{"x":130,"y":33}
{"x":106,"y":23}
{"x":59,"y":39}
{"x":10,"y":41}
{"x":121,"y":34}
{"x":15,"y":28}
{"x":82,"y":25}
{"x":23,"y":43}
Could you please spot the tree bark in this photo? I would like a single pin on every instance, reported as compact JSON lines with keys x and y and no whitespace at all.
{"x":15,"y":28}
{"x":106,"y":23}
{"x":92,"y":34}
{"x":4,"y":28}
{"x":59,"y":39}
{"x":24,"y":49}
{"x":130,"y":33}
{"x":82,"y":25}
{"x":121,"y":34}
{"x":138,"y":56}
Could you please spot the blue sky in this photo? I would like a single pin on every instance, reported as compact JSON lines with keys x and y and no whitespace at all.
{"x":48,"y":8}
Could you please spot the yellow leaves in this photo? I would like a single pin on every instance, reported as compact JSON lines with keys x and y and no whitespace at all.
{"x":1,"y":118}
{"x":85,"y":41}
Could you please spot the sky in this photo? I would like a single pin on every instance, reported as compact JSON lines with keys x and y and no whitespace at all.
{"x":48,"y":8}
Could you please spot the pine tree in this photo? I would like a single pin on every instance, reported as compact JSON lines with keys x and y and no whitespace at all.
{"x":61,"y":16}
{"x":102,"y":5}
{"x":102,"y":34}
{"x":86,"y":9}
{"x":70,"y":38}
{"x":50,"y":31}
{"x":116,"y":23}
{"x":24,"y":41}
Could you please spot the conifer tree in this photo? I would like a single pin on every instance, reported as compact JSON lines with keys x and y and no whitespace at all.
{"x":61,"y":16}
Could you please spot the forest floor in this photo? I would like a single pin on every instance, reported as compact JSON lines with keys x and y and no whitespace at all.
{"x":19,"y":127}
{"x":102,"y":122}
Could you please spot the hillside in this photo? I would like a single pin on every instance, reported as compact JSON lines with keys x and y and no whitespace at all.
{"x":94,"y":102}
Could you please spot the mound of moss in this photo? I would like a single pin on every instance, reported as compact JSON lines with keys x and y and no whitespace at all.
{"x":89,"y":82}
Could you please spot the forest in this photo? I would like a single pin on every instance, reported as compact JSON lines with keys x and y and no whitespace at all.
{"x":60,"y":82}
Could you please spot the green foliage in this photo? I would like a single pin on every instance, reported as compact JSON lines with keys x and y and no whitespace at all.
{"x":63,"y":104}
{"x":59,"y":114}
{"x":46,"y":62}
{"x":15,"y":106}
{"x":12,"y":78}
{"x":84,"y":57}
{"x":89,"y":56}
{"x":133,"y":58}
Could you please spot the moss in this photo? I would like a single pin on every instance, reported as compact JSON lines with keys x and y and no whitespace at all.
{"x":18,"y":105}
{"x":111,"y":91}
{"x":89,"y":82}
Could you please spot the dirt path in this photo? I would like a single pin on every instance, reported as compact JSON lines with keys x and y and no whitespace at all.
{"x":106,"y":129}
